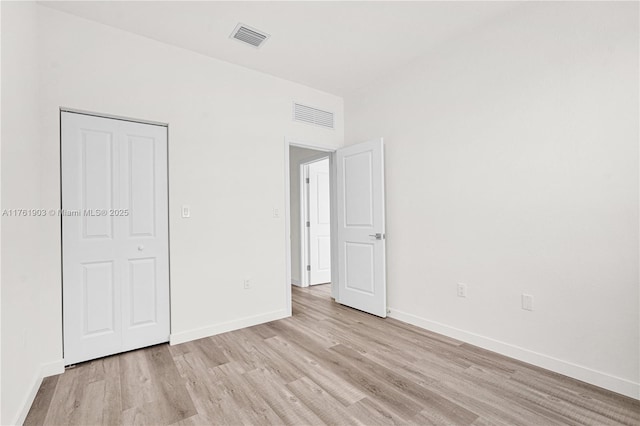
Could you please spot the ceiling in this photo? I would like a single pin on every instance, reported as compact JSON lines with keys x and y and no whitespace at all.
{"x":332,"y":46}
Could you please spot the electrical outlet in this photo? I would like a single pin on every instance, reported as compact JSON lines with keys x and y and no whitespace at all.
{"x":276,"y":213}
{"x":247,"y":284}
{"x":462,"y":290}
{"x":527,"y":302}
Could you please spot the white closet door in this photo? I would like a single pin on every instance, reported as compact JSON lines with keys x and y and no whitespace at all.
{"x":114,"y":236}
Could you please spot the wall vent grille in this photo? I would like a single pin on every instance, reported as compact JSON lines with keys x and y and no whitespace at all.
{"x":307,"y":114}
{"x":248,"y":35}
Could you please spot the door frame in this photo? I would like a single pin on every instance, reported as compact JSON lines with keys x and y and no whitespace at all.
{"x":122,"y":118}
{"x":331,"y":153}
{"x":304,"y":211}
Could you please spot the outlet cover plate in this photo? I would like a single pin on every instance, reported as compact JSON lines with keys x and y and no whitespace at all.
{"x":462,"y":290}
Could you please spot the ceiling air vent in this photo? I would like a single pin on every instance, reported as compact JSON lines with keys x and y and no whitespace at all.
{"x":246,"y":34}
{"x":312,"y":115}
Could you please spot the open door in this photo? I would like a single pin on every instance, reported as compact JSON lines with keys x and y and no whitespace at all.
{"x":319,"y":223}
{"x":361,"y":227}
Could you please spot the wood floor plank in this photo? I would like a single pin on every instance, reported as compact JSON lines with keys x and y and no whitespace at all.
{"x":436,"y":405}
{"x":321,"y":403}
{"x":92,"y":407}
{"x":335,"y":385}
{"x":372,"y":413}
{"x":207,"y":395}
{"x":235,"y":349}
{"x":269,"y":359}
{"x":371,"y":385}
{"x":289,"y":409}
{"x":262,"y":330}
{"x":209,"y":351}
{"x":253,"y":407}
{"x":111,"y":403}
{"x":42,"y":402}
{"x":327,"y":364}
{"x":171,"y":401}
{"x":135,"y":379}
{"x":65,"y":402}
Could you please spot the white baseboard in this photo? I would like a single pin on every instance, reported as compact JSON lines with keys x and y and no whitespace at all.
{"x":212,"y":330}
{"x":296,"y":282}
{"x":585,"y":374}
{"x":52,"y":368}
{"x":46,"y":370}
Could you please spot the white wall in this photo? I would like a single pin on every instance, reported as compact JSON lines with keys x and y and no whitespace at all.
{"x":297,"y":155}
{"x":227,"y":127}
{"x":28,"y":319}
{"x":512,"y":166}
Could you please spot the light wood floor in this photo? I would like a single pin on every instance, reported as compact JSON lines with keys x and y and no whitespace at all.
{"x":326,"y":365}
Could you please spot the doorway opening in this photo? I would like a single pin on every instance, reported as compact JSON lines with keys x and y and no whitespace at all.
{"x":356,"y":249}
{"x":310,"y":217}
{"x":310,"y":249}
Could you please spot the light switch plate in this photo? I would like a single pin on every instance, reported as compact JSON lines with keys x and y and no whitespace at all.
{"x":186,"y":211}
{"x":527,"y":302}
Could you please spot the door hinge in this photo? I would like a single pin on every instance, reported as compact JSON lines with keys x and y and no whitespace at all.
{"x":307,"y":180}
{"x":308,"y":224}
{"x":308,"y":267}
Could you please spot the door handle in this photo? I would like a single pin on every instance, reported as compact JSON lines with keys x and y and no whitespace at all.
{"x":140,"y":247}
{"x":377,"y":236}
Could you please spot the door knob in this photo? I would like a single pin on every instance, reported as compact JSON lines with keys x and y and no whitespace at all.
{"x":140,"y":247}
{"x":377,"y":236}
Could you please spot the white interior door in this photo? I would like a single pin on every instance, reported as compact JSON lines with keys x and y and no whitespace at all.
{"x":319,"y":210}
{"x":114,"y":236}
{"x":361,"y":227}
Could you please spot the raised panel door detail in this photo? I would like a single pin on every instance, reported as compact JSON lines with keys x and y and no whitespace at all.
{"x":98,"y":298}
{"x":97,"y":183}
{"x":358,"y":196}
{"x":324,"y":208}
{"x":143,"y":291}
{"x":359,"y":263}
{"x":324,"y":253}
{"x":142,"y":186}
